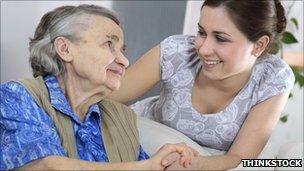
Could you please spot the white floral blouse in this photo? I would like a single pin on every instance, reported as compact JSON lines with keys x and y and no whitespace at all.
{"x":179,"y":64}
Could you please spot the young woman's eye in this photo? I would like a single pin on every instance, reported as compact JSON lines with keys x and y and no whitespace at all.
{"x":202,"y":33}
{"x":220,"y":39}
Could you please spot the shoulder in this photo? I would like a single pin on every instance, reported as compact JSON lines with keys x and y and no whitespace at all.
{"x":176,"y":53}
{"x":272,"y":76}
{"x":120,"y":109}
{"x":176,"y":39}
{"x":13,"y":93}
{"x":18,"y":105}
{"x":28,"y":128}
{"x":12,"y":87}
{"x":272,"y":69}
{"x":175,"y":43}
{"x":115,"y":104}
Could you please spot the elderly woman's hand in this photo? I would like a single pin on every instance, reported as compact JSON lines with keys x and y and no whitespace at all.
{"x":170,"y":153}
{"x":196,"y":164}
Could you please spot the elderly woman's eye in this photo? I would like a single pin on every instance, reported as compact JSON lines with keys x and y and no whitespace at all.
{"x":109,"y":43}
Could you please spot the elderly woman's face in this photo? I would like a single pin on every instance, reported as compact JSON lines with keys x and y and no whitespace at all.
{"x":98,"y":56}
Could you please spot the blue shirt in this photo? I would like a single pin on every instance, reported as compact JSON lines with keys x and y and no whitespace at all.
{"x":28,"y":133}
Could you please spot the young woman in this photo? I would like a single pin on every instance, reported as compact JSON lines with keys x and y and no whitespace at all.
{"x":220,"y":88}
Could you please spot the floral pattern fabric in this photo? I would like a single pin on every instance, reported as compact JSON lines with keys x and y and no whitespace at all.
{"x":179,"y":64}
{"x":28,"y":133}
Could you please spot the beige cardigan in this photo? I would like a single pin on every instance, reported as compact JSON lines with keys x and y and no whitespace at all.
{"x":118,"y":127}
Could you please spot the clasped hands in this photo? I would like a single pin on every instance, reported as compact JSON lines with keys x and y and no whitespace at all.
{"x":173,"y":156}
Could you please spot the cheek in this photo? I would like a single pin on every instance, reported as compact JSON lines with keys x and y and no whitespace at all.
{"x":198,"y":42}
{"x":242,"y":54}
{"x":232,"y":52}
{"x":105,"y":58}
{"x":100,"y":61}
{"x":236,"y":58}
{"x":95,"y":66}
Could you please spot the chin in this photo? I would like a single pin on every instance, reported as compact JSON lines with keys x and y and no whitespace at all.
{"x":113,"y":86}
{"x":210,"y":75}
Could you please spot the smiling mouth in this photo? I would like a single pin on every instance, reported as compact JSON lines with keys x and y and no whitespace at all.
{"x":212,"y":62}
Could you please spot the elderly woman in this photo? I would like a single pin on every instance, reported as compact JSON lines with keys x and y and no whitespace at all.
{"x":60,"y":120}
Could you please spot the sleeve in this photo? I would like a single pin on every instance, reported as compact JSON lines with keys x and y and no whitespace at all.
{"x":27,"y":132}
{"x":142,"y":154}
{"x":146,"y":107}
{"x":277,"y":78}
{"x":174,"y":53}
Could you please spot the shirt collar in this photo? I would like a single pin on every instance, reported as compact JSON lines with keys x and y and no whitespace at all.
{"x":60,"y":102}
{"x":93,"y":109}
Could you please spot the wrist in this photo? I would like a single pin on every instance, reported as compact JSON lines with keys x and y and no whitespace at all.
{"x":200,"y":161}
{"x":143,"y":165}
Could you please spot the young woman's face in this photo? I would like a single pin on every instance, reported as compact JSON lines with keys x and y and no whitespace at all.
{"x":223,"y":49}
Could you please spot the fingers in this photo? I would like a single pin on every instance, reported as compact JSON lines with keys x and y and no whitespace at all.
{"x":170,"y":159}
{"x":167,"y":149}
{"x":196,"y":153}
{"x":185,"y":156}
{"x":188,"y":155}
{"x":170,"y":154}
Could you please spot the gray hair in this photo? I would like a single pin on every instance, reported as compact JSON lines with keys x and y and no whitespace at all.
{"x":65,"y":21}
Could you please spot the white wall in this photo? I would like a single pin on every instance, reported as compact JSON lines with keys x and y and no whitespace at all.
{"x":192,"y":17}
{"x":293,"y":129}
{"x":18,"y":22}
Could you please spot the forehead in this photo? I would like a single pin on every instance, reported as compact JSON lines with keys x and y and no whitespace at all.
{"x":217,"y":18}
{"x":100,"y":26}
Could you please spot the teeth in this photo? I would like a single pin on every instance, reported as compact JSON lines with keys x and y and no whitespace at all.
{"x":211,"y":62}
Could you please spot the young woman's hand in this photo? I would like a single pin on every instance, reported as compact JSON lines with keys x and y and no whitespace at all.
{"x":170,"y":153}
{"x":186,"y":156}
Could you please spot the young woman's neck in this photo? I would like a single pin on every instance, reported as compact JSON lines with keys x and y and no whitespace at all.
{"x":230,"y":85}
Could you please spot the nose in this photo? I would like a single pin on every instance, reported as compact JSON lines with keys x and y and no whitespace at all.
{"x":204,"y":46}
{"x":121,"y":59}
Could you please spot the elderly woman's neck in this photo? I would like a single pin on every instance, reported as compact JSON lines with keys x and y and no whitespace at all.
{"x":81,"y":94}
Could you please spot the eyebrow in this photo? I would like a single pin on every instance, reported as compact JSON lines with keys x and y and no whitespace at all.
{"x":200,"y":27}
{"x":215,"y":32}
{"x":116,"y":39}
{"x":113,"y":37}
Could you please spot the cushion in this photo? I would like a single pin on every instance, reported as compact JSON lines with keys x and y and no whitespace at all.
{"x":154,"y":135}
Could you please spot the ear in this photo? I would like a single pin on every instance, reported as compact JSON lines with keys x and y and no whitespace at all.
{"x":260,"y":46}
{"x":62,"y":47}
